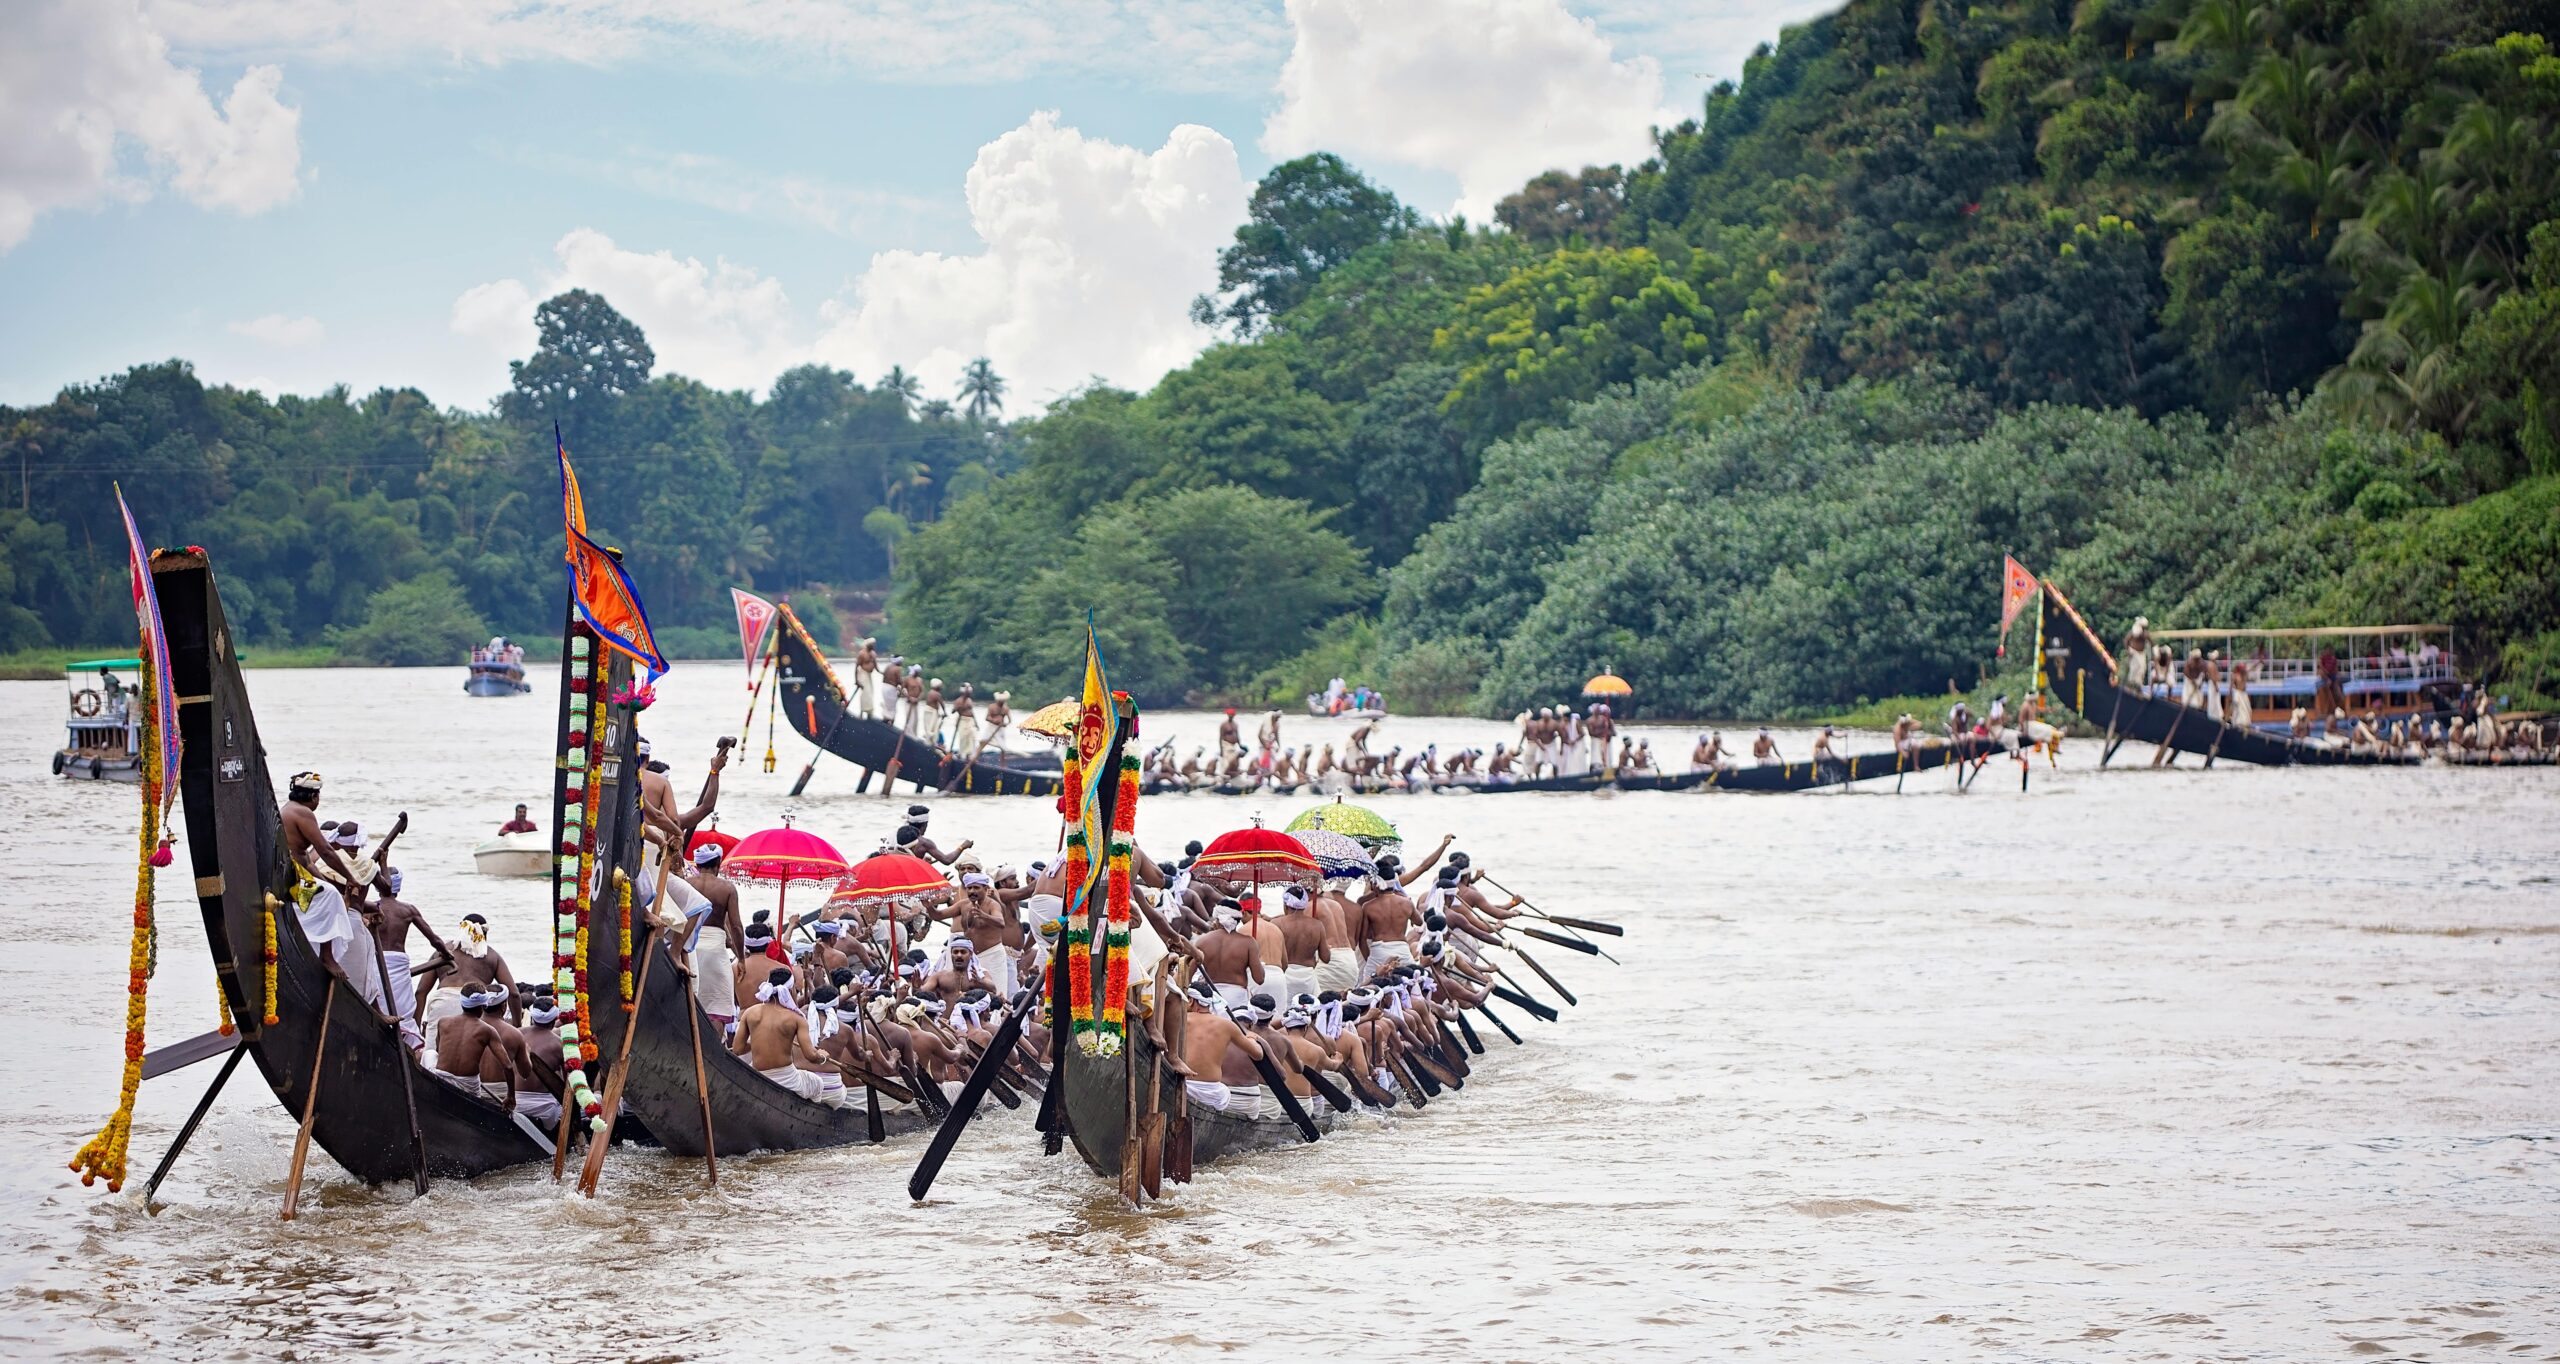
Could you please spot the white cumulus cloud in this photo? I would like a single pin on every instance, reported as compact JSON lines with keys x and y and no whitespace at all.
{"x":1489,"y":91}
{"x":84,"y":84}
{"x":1091,"y":253}
{"x":276,"y":329}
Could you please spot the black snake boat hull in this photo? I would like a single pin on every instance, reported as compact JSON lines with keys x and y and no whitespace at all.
{"x":236,"y":845}
{"x":1099,"y":1093}
{"x":815,"y":704}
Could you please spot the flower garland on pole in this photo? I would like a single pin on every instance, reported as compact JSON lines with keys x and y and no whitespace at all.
{"x":1075,"y":940}
{"x":1114,"y":1026}
{"x":104,"y":1155}
{"x":574,"y":880}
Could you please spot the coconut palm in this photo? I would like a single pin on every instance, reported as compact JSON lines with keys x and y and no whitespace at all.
{"x":903,"y":384}
{"x":981,"y":392}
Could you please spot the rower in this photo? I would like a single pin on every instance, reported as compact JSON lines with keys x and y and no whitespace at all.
{"x":964,"y":722}
{"x":1764,"y":750}
{"x":391,"y":918}
{"x":1386,"y":918}
{"x":892,"y":688}
{"x":1216,"y":1059}
{"x":999,"y":718}
{"x":917,"y":722}
{"x":469,"y":963}
{"x":958,"y":978}
{"x":1906,"y":735}
{"x":911,"y":838}
{"x":2133,"y":662}
{"x":1231,"y":956}
{"x":1230,"y":739}
{"x":469,"y":1054}
{"x":1824,"y":752}
{"x":336,"y":933}
{"x":548,"y":1065}
{"x":773,"y":1036}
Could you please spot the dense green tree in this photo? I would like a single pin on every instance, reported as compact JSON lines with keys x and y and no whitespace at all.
{"x":424,"y":620}
{"x":1566,"y":328}
{"x":1305,"y":217}
{"x":588,"y":355}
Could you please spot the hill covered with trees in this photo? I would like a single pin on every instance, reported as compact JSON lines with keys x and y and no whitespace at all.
{"x":2223,"y":311}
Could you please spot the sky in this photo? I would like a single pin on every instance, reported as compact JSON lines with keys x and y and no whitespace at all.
{"x":293,"y":194}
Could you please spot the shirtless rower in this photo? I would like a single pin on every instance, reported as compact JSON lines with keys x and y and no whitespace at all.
{"x":764,"y":955}
{"x":1764,"y":750}
{"x":1216,"y":1057}
{"x":934,"y":707}
{"x":469,"y":962}
{"x":892,"y":688}
{"x":1822,"y":749}
{"x":705,"y":878}
{"x":921,"y":846}
{"x":335,"y":931}
{"x":999,"y":718}
{"x":1386,"y":917}
{"x":1305,"y":942}
{"x":1230,"y":739}
{"x":1906,"y":734}
{"x":1269,"y":737}
{"x":1232,"y":957}
{"x":538,"y":1093}
{"x":964,"y":722}
{"x":958,"y":978}
{"x":471,"y":1056}
{"x":773,"y":1036}
{"x":391,"y":919}
{"x":912,"y":709}
{"x":982,"y":916}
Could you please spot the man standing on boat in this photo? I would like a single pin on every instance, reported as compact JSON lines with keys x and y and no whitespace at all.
{"x":999,"y":717}
{"x":912,"y":695}
{"x":1602,"y":727}
{"x":2191,"y":680}
{"x":1230,"y":739}
{"x":866,"y":677}
{"x":392,"y":918}
{"x":933,"y":712}
{"x":704,"y":876}
{"x":1764,"y":750}
{"x":964,"y":723}
{"x":2133,"y":662}
{"x":336,"y":934}
{"x":892,"y":688}
{"x":1269,"y":739}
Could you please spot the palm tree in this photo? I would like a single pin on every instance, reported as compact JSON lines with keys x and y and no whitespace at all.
{"x":935,"y":411}
{"x":903,"y":384}
{"x":981,"y":391}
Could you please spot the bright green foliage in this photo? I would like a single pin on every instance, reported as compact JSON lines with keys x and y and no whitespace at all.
{"x":423,"y":620}
{"x":1565,"y":328}
{"x":1306,"y":217}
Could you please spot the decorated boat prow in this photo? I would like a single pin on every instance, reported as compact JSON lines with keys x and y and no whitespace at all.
{"x":819,"y":706}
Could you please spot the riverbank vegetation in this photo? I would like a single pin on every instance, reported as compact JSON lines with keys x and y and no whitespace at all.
{"x":2228,"y":312}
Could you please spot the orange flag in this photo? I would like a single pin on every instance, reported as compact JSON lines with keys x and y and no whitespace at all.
{"x":2017,"y":588}
{"x":607,"y":599}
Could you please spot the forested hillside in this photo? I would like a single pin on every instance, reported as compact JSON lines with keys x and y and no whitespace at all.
{"x":2225,"y":312}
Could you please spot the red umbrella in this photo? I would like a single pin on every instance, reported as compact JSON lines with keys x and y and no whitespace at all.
{"x":1254,"y":855}
{"x":778,"y":857}
{"x":712,"y":837}
{"x":895,"y":880}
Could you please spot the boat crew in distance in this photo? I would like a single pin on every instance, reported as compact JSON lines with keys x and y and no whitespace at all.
{"x":1708,"y":756}
{"x":1269,"y":738}
{"x":911,"y":696}
{"x":2191,"y":680}
{"x":2133,"y":661}
{"x":866,"y":677}
{"x":2236,"y":707}
{"x":1823,"y":751}
{"x":1764,"y":750}
{"x":892,"y":688}
{"x":1602,"y":727}
{"x":1906,"y":734}
{"x":964,"y":721}
{"x":933,"y":713}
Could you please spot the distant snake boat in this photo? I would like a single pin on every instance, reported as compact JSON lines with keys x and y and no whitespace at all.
{"x":815,"y":704}
{"x":235,"y":841}
{"x":2082,"y":674}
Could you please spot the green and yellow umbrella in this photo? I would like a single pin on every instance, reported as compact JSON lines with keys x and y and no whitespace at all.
{"x":1358,"y":822}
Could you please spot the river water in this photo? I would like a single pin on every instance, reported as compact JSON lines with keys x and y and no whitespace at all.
{"x":2241,"y":1064}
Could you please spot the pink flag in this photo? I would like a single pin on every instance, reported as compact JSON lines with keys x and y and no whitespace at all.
{"x":163,"y":699}
{"x":754,"y":613}
{"x":2017,"y":588}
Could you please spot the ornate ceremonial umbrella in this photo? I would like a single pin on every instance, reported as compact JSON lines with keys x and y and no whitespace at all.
{"x":1364,"y":825}
{"x":726,"y":843}
{"x":896,"y":881}
{"x":1337,"y":854}
{"x":1056,"y":720}
{"x":1254,"y":856}
{"x":778,"y":857}
{"x":1607,"y":687}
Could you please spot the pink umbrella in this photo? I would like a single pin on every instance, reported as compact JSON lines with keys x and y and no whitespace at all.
{"x":778,"y":857}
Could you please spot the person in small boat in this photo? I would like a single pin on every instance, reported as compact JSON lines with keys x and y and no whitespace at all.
{"x":521,"y":824}
{"x":471,"y":1056}
{"x":866,"y":678}
{"x":391,"y":918}
{"x":1764,"y":750}
{"x":773,"y":1035}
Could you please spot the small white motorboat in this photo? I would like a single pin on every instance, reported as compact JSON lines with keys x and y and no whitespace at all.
{"x":524,"y":854}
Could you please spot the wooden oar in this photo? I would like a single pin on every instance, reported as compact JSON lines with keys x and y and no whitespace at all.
{"x":981,"y":1077}
{"x":1537,"y":1010}
{"x":1587,"y":948}
{"x":1412,"y":1088}
{"x":1452,"y":1048}
{"x":160,"y":1061}
{"x":1552,"y":983}
{"x":829,"y":737}
{"x":701,"y":1081}
{"x":1468,"y":1030}
{"x":1587,"y":925}
{"x":188,"y":1130}
{"x":1496,"y":1020}
{"x":1151,"y":1131}
{"x":310,"y":1102}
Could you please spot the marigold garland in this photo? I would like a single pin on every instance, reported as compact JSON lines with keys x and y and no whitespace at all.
{"x":622,"y":891}
{"x":267,"y":957}
{"x":1115,"y":964}
{"x":1075,"y":935}
{"x":104,"y":1154}
{"x":577,"y":803}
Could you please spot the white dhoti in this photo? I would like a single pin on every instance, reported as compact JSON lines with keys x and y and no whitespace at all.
{"x":889,"y":698}
{"x":793,"y":1078}
{"x":831,"y":1090}
{"x":538,"y":1107}
{"x":997,"y":965}
{"x":404,"y":997}
{"x":1393,"y":952}
{"x":994,"y":739}
{"x":474,"y":1085}
{"x":865,"y":683}
{"x":444,"y":1003}
{"x":336,"y":931}
{"x":964,"y":735}
{"x":1296,"y":981}
{"x":915,"y":726}
{"x":2242,"y":713}
{"x":1341,"y":973}
{"x":1234,"y":996}
{"x":1207,"y":1093}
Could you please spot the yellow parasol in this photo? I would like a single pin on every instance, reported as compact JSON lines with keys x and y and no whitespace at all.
{"x":1607,"y":684}
{"x":1056,"y":720}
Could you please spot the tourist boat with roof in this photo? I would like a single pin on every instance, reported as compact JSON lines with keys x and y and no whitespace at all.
{"x":103,"y":730}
